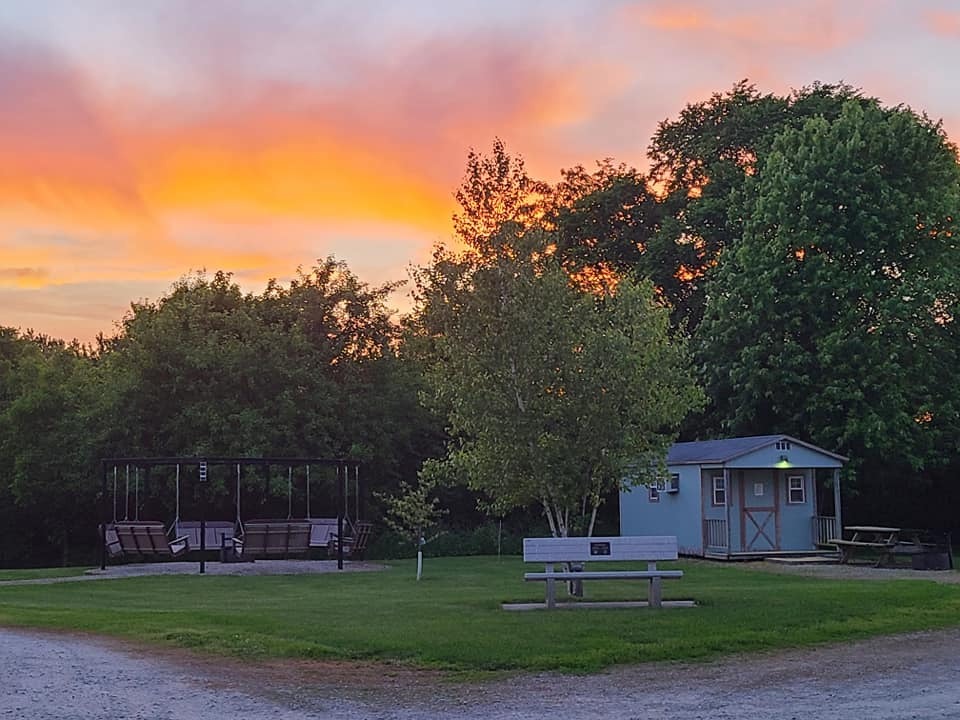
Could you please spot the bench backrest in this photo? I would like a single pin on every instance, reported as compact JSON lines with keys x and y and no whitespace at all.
{"x":214,"y":530}
{"x":355,"y":543}
{"x":143,"y":538}
{"x":275,"y":538}
{"x":320,"y":531}
{"x":582,"y":549}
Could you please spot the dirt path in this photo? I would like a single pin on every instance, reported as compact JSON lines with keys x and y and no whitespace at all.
{"x":48,"y":676}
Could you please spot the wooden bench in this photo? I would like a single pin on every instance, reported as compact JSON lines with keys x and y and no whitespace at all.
{"x":215,"y":532}
{"x":148,"y":539}
{"x":354,"y":544}
{"x":274,"y":539}
{"x":577,"y":550}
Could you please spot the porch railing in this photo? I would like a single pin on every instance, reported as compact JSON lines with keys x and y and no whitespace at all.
{"x":824,"y":529}
{"x":715,"y":534}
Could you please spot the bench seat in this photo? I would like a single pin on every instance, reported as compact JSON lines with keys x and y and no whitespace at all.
{"x":604,"y":575}
{"x":859,"y":543}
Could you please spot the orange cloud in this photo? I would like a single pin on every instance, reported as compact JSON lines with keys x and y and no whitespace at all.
{"x":23,"y":277}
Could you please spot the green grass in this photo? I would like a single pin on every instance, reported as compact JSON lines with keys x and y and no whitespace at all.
{"x":35,"y":573}
{"x":452,"y":618}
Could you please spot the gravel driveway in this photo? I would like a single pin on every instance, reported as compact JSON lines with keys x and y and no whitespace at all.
{"x":46,"y":676}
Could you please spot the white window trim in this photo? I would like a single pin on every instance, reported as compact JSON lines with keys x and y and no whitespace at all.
{"x":722,"y":487}
{"x":802,"y":489}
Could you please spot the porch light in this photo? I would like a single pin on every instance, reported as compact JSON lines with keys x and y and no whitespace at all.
{"x":784,"y":462}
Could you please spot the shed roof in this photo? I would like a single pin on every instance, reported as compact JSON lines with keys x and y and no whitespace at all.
{"x":721,"y":451}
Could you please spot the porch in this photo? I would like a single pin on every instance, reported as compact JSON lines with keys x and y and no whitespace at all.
{"x":717,"y":546}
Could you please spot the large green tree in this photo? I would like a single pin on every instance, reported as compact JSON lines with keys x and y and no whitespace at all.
{"x":552,"y":394}
{"x":699,"y":161}
{"x":49,"y":394}
{"x":833,"y":316}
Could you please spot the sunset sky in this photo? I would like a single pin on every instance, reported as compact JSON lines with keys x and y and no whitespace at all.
{"x":140,"y":141}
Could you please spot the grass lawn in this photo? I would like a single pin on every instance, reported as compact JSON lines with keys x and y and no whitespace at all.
{"x":34,"y":573}
{"x":452,"y":618}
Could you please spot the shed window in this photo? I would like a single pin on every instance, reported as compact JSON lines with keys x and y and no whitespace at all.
{"x":719,"y":490}
{"x":797,"y":490}
{"x":654,"y":492}
{"x":783,"y":444}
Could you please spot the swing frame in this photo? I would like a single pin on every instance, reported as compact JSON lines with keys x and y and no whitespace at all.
{"x":343,"y":467}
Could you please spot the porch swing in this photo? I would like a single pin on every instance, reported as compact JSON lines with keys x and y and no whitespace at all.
{"x":284,"y":537}
{"x":133,"y":537}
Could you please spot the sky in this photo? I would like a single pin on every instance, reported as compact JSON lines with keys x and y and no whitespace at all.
{"x":143,"y":141}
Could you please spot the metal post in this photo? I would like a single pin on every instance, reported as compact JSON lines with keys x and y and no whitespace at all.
{"x":308,"y":492}
{"x":836,"y":503}
{"x":341,"y":509}
{"x":356,"y":493}
{"x":103,"y":515}
{"x":203,"y":516}
{"x":726,"y":508}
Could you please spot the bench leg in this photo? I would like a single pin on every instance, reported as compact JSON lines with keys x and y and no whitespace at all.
{"x":551,"y":594}
{"x":551,"y":588}
{"x":655,"y":598}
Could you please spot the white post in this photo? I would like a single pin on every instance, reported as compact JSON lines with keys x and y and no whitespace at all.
{"x":420,"y":544}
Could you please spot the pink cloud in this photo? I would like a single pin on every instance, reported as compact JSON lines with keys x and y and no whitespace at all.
{"x":806,"y":27}
{"x":943,"y":23}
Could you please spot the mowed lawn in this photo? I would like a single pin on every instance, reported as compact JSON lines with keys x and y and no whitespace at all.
{"x":452,"y":618}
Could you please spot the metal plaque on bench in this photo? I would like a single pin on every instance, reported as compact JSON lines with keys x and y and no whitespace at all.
{"x":599,"y":548}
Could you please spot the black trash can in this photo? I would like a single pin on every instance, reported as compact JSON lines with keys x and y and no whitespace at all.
{"x":931,"y":561}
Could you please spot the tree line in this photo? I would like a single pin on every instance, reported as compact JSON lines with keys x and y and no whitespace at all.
{"x":788,"y":264}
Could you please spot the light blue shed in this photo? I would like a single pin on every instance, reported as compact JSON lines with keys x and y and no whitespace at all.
{"x":738,"y":498}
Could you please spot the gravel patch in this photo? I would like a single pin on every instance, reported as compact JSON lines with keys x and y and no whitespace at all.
{"x":260,"y":567}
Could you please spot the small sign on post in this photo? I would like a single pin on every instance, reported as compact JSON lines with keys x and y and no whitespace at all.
{"x":203,"y":518}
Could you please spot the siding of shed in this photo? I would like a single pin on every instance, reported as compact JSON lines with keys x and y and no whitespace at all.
{"x":676,"y":513}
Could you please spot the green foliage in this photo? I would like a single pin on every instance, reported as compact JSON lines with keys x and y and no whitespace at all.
{"x":452,"y":619}
{"x":833,"y":316}
{"x":485,"y":539}
{"x":414,"y":511}
{"x":550,"y":392}
{"x":310,"y":369}
{"x":700,"y":160}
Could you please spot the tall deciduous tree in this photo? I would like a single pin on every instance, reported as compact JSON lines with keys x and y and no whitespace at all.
{"x":703,"y":157}
{"x":834,"y":316}
{"x":551,"y":393}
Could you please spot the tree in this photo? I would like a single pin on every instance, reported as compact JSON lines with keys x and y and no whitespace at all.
{"x":48,"y":443}
{"x":834,"y":315}
{"x":603,"y":222}
{"x":551,"y":394}
{"x":699,"y":161}
{"x":414,"y":512}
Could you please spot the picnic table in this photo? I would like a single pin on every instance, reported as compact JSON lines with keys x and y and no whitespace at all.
{"x":927,"y":550}
{"x":868,"y":539}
